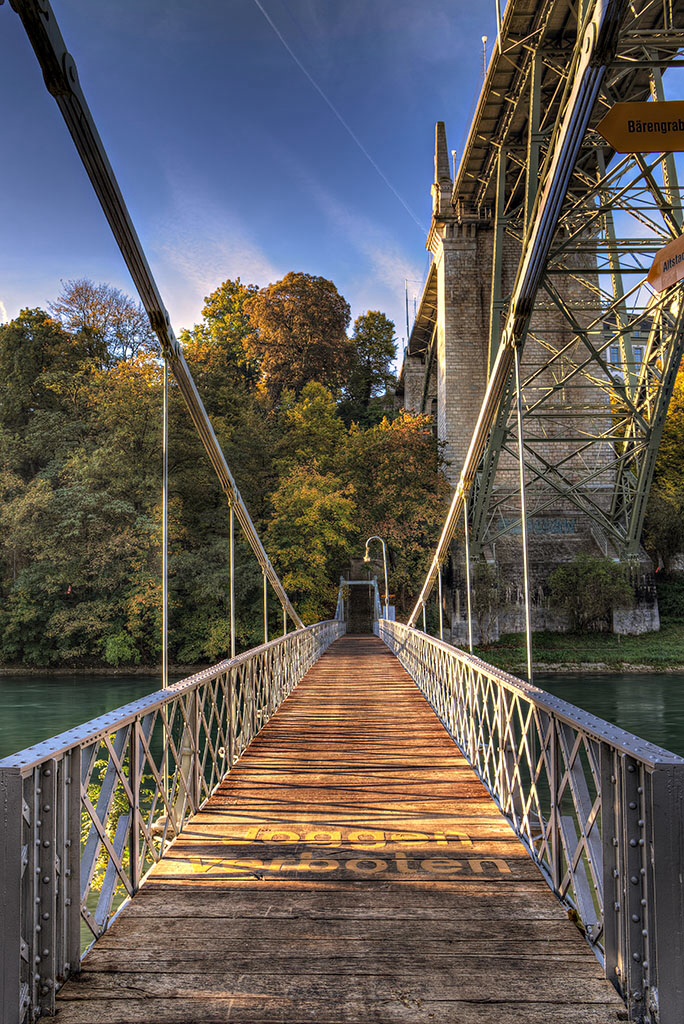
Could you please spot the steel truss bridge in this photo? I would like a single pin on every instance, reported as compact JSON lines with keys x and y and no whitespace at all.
{"x":581,"y":352}
{"x":182,"y":807}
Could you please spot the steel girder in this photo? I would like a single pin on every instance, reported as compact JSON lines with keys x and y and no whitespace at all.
{"x":599,"y":331}
{"x":575,"y":230}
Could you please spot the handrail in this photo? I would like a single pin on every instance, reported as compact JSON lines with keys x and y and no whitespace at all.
{"x":87,"y":814}
{"x":600,"y":811}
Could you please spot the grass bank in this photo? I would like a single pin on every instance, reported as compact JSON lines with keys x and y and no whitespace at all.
{"x":550,"y":651}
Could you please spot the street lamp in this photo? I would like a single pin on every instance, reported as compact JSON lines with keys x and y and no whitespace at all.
{"x":366,"y":558}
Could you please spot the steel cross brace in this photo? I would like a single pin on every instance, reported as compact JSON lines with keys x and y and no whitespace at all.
{"x":595,"y":46}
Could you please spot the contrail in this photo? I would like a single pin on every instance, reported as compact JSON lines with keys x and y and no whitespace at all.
{"x":339,"y":117}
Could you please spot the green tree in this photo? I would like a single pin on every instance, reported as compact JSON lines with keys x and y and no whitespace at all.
{"x":311,"y":430}
{"x":310,"y":538}
{"x":486,"y":597}
{"x":402,"y":495}
{"x":44,"y":385}
{"x":218,"y":344}
{"x":110,"y":324}
{"x":589,"y":589}
{"x":299,"y":334}
{"x":370,"y":376}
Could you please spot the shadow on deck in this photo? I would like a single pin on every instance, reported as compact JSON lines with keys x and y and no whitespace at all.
{"x":351,"y":868}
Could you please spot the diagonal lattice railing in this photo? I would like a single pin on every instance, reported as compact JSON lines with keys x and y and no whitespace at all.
{"x":87,"y":814}
{"x":600,"y":811}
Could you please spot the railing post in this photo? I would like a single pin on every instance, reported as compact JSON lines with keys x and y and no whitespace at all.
{"x":635,"y":884}
{"x":230,"y":702}
{"x":554,"y":810}
{"x":667,"y":919}
{"x":196,"y":755}
{"x":613,"y":909}
{"x":11,"y":943}
{"x":134,"y":776}
{"x":71,"y":865}
{"x":46,"y":903}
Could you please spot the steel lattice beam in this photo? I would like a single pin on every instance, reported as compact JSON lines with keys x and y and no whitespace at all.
{"x":587,"y":225}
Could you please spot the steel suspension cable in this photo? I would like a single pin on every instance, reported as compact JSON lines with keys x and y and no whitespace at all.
{"x":61,"y":78}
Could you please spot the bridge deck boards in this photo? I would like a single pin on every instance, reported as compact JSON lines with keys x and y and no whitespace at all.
{"x":351,"y":869}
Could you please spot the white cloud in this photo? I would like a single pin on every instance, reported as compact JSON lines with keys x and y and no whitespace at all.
{"x":199,"y":245}
{"x":3,"y":313}
{"x":385,"y":269}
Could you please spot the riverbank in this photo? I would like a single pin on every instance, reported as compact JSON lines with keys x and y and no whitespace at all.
{"x":591,"y":652}
{"x":175,"y":671}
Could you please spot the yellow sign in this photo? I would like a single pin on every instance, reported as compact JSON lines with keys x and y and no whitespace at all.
{"x":668,"y":266}
{"x":645,"y":127}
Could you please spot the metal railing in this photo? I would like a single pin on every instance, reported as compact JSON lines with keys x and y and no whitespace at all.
{"x":600,"y":811}
{"x":87,"y":814}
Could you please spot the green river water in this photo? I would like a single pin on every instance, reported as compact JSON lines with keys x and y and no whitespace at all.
{"x":33,"y":708}
{"x":649,"y":704}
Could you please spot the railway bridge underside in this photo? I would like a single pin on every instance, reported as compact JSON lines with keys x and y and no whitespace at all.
{"x":537,"y":302}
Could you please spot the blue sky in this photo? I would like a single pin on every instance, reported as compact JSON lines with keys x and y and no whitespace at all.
{"x":230,"y":160}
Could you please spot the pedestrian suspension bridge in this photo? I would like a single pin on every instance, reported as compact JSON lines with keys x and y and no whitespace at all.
{"x":352,"y":827}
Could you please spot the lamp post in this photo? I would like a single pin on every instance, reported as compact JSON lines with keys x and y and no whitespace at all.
{"x":366,"y":558}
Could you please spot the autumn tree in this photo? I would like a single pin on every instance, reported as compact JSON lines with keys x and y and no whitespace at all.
{"x":299,"y":334}
{"x":401,"y":494}
{"x":310,"y":537}
{"x":370,"y":376}
{"x":111,"y":325}
{"x":218,"y":344}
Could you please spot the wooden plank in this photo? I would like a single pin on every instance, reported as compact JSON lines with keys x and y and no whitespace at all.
{"x":405,"y":1008}
{"x":351,"y":868}
{"x":460,"y":982}
{"x":512,"y":905}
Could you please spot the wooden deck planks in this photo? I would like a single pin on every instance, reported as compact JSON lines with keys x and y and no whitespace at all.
{"x":351,"y":869}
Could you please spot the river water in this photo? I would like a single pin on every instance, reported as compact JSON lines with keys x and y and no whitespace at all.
{"x":648,"y":704}
{"x":33,"y":708}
